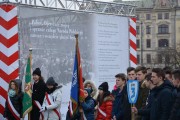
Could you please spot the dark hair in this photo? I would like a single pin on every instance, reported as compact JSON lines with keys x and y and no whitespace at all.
{"x":141,"y":68}
{"x":41,"y":78}
{"x":129,"y":69}
{"x":122,"y":76}
{"x":167,"y":68}
{"x":148,"y":68}
{"x":100,"y":99}
{"x":83,"y":79}
{"x":148,"y":77}
{"x":168,"y":72}
{"x":176,"y":74}
{"x":159,"y":72}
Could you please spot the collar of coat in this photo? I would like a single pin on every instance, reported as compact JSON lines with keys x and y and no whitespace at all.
{"x":108,"y":98}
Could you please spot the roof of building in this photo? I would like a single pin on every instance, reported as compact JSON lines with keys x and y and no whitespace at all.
{"x":149,"y":3}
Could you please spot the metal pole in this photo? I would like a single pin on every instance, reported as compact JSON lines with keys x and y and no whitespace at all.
{"x":141,"y":43}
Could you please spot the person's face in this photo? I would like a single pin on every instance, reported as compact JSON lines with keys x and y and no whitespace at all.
{"x":100,"y":92}
{"x":50,"y":86}
{"x":155,"y":79}
{"x":140,"y":76}
{"x":176,"y":82}
{"x":131,"y":75}
{"x":147,"y":83}
{"x":151,"y":85}
{"x":88,"y":86}
{"x":36,"y":77}
{"x":13,"y":86}
{"x":85,"y":93}
{"x":119,"y":82}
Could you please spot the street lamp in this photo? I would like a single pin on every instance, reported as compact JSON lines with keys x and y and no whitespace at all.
{"x":141,"y":43}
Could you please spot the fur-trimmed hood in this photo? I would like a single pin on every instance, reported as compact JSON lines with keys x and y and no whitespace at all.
{"x":94,"y":92}
{"x":108,"y":98}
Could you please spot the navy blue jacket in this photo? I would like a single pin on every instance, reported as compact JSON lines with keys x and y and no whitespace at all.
{"x":89,"y":108}
{"x":117,"y":104}
{"x":121,"y":106}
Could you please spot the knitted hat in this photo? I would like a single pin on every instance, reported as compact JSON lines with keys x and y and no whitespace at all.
{"x":104,"y":86}
{"x":51,"y":81}
{"x":37,"y":71}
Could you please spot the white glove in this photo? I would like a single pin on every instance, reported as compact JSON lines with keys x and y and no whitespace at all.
{"x":42,"y":109}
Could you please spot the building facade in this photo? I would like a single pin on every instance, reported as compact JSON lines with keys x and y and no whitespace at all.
{"x":158,"y":32}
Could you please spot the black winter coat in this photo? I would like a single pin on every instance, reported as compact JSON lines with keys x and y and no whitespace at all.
{"x":17,"y":103}
{"x":175,"y":113}
{"x":38,"y":94}
{"x":145,"y":112}
{"x":121,"y":106}
{"x":163,"y":100}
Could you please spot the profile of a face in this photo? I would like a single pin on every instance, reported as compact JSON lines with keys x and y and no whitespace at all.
{"x":85,"y":93}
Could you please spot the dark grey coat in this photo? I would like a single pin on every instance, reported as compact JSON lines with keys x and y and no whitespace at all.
{"x":17,"y":103}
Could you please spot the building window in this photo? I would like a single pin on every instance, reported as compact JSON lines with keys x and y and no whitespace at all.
{"x":159,"y":56}
{"x":148,"y":43}
{"x":159,"y":15}
{"x":166,"y":16}
{"x":163,"y":29}
{"x":137,"y":17}
{"x":138,"y":59}
{"x":148,"y":30}
{"x":148,"y":16}
{"x":138,"y":43}
{"x":163,"y":43}
{"x":148,"y":58}
{"x":137,"y":30}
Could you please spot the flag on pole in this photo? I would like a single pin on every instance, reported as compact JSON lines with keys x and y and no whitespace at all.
{"x":77,"y":88}
{"x":27,"y":98}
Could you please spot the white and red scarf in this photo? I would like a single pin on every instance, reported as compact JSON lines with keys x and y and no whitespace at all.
{"x":13,"y":110}
{"x":50,"y":102}
{"x":39,"y":106}
{"x":102,"y":112}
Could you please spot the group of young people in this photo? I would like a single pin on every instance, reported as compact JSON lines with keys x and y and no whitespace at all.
{"x":158,"y":97}
{"x":46,"y":99}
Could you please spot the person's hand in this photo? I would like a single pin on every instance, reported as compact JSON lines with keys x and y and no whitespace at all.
{"x":114,"y":117}
{"x":42,"y":109}
{"x":80,"y":110}
{"x":81,"y":100}
{"x":134,"y":110}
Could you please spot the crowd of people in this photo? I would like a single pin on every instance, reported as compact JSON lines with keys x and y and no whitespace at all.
{"x":158,"y":98}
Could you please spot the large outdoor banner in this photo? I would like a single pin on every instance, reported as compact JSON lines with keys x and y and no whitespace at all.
{"x":103,"y":43}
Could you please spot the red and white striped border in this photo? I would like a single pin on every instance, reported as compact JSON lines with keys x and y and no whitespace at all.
{"x":132,"y":41}
{"x":9,"y":64}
